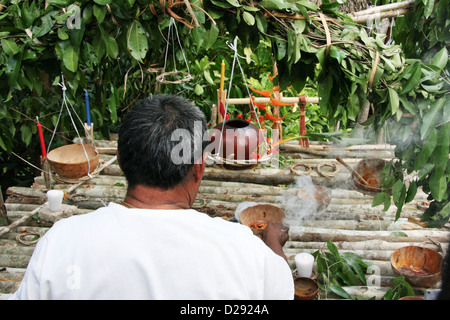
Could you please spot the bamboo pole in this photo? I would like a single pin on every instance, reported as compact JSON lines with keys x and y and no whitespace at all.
{"x":381,"y":15}
{"x":382,"y":8}
{"x":292,"y":100}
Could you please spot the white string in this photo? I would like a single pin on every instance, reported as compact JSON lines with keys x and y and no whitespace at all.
{"x":64,"y":104}
{"x":170,"y":37}
{"x":233,"y":46}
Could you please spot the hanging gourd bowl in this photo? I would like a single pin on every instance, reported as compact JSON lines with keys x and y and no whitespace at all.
{"x":73,"y":161}
{"x":238,"y":144}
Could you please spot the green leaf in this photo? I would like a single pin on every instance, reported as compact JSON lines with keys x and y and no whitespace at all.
{"x":427,"y":150}
{"x":429,"y":5}
{"x":60,"y":3}
{"x":438,"y":179}
{"x":100,"y":13}
{"x":340,"y":291}
{"x":325,"y":86}
{"x":137,"y":41}
{"x":398,"y":195}
{"x":408,"y":105}
{"x":62,"y":34}
{"x":393,"y":100}
{"x":398,"y":234}
{"x":339,"y":55}
{"x":103,"y":2}
{"x":445,"y":211}
{"x":10,"y":47}
{"x":112,"y":48}
{"x":382,"y":198}
{"x":438,"y":186}
{"x":45,"y":27}
{"x":112,"y":106}
{"x":412,"y":190}
{"x":261,"y":22}
{"x":198,"y":89}
{"x":414,"y":78}
{"x":207,"y":76}
{"x":425,"y":171}
{"x":25,"y":133}
{"x":248,"y":18}
{"x":333,"y":249}
{"x":278,"y":5}
{"x":70,"y":58}
{"x":234,"y":3}
{"x":12,"y":71}
{"x":431,"y":117}
{"x":211,"y":36}
{"x":440,"y":59}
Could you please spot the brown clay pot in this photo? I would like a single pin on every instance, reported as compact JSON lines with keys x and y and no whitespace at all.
{"x":239,"y":139}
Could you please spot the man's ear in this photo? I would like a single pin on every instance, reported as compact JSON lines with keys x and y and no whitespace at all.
{"x":199,"y":168}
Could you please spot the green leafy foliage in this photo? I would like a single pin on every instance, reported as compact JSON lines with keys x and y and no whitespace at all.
{"x":400,"y":288}
{"x":339,"y":269}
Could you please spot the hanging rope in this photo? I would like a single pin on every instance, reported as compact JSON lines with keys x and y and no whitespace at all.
{"x":170,"y":37}
{"x":233,"y":46}
{"x":65,"y":103}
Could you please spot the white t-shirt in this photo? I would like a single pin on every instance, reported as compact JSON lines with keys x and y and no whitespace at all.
{"x":120,"y":253}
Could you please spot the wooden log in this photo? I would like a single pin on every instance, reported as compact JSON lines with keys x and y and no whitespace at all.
{"x":14,"y":261}
{"x":287,"y":148}
{"x":10,"y":279}
{"x":375,"y":244}
{"x":24,"y":251}
{"x":269,"y":176}
{"x":297,"y":233}
{"x":352,"y":224}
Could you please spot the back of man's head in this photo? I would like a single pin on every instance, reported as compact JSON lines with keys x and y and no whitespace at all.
{"x":149,"y":141}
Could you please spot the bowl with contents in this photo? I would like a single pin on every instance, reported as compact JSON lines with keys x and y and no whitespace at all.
{"x":258,"y":216}
{"x":420,"y":266}
{"x":370,"y":171}
{"x":305,"y":288}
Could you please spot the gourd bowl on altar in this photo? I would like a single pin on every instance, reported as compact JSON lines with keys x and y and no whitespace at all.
{"x":421,"y":266}
{"x":241,"y":140}
{"x":72,"y":161}
{"x":369,"y":170}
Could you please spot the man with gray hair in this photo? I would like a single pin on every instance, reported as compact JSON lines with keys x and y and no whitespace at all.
{"x":153,"y":245}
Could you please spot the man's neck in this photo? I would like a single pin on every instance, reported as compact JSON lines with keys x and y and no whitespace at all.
{"x":155,"y":198}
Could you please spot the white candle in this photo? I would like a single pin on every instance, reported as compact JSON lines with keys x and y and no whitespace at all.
{"x":55,"y":198}
{"x":304,"y":262}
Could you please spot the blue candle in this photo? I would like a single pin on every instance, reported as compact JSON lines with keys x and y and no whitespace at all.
{"x":88,"y":114}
